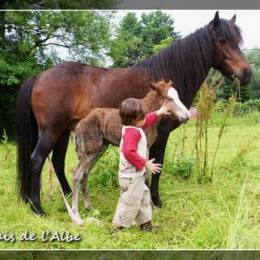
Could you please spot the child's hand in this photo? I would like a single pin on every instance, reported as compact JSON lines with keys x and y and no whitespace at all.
{"x":153,"y":167}
{"x":164,"y":110}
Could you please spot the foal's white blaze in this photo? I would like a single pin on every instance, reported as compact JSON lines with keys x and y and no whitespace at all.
{"x":183,"y":112}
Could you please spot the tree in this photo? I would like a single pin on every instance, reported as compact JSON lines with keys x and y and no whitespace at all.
{"x":30,"y":43}
{"x":125,"y":48}
{"x":162,"y":44}
{"x":59,"y":4}
{"x":254,"y":58}
{"x":156,"y":27}
{"x":135,"y":39}
{"x":228,"y":88}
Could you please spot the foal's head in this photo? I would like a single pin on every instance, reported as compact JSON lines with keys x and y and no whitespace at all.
{"x":167,"y":93}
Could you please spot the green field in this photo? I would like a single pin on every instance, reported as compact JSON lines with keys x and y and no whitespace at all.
{"x":224,"y":213}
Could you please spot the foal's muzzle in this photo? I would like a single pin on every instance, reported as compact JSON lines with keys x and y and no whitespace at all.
{"x":183,"y":119}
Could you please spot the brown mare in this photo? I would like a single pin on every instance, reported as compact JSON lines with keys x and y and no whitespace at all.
{"x":102,"y":126}
{"x":50,"y":104}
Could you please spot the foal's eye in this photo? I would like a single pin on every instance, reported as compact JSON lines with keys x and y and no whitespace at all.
{"x":169,"y":99}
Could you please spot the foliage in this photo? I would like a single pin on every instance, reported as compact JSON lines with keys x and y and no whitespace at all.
{"x":254,"y":59}
{"x":125,"y":48}
{"x":183,"y":167}
{"x":31,"y":42}
{"x":59,"y":4}
{"x":205,"y":105}
{"x":226,"y":88}
{"x":248,"y":106}
{"x":240,"y":108}
{"x":102,"y":177}
{"x":135,"y":39}
{"x":34,"y":34}
{"x":162,"y":44}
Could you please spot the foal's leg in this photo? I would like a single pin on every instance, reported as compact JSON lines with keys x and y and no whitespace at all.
{"x":78,"y":175}
{"x":44,"y":146}
{"x":84,"y":166}
{"x":58,"y":160}
{"x":157,"y":151}
{"x":84,"y":183}
{"x":85,"y":192}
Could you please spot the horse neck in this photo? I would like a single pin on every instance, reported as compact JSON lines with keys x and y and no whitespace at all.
{"x":186,"y":62}
{"x":198,"y":60}
{"x":151,"y":100}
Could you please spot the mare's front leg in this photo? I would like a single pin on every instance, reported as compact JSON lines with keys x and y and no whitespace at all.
{"x":157,"y":151}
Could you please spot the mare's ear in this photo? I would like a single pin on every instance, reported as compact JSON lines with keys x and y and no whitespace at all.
{"x":213,"y":25}
{"x":233,"y":19}
{"x":215,"y":22}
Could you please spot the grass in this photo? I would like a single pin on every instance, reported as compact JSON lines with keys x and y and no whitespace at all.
{"x":221,"y":214}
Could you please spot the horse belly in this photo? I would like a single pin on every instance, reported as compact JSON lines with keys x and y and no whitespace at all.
{"x":59,"y":106}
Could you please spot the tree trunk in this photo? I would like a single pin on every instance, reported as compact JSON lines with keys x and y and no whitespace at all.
{"x":2,"y":27}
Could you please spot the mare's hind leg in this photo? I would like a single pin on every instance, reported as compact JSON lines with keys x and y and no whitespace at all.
{"x":44,"y":146}
{"x":58,"y":160}
{"x":84,"y":183}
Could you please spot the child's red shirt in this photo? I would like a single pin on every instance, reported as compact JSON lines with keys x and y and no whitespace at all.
{"x":130,"y":141}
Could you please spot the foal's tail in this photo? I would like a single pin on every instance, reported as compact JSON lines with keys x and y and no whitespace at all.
{"x":27,"y":135}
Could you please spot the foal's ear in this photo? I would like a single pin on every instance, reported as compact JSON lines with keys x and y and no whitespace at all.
{"x":154,"y":86}
{"x":171,"y":83}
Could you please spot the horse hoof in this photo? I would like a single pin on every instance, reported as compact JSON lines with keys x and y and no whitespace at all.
{"x":92,"y":220}
{"x":78,"y":221}
{"x":38,"y":210}
{"x":157,"y":202}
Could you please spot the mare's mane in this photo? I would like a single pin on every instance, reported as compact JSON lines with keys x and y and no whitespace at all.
{"x":187,"y":61}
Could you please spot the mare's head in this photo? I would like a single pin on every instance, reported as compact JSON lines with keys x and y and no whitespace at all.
{"x":227,"y":55}
{"x":167,"y":93}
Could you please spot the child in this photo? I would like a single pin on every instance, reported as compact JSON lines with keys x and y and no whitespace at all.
{"x":135,"y":203}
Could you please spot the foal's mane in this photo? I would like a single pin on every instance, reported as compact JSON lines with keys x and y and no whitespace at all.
{"x":187,"y":61}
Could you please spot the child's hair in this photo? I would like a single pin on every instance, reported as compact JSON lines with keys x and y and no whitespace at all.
{"x":131,"y":110}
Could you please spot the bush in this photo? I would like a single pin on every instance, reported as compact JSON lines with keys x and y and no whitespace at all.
{"x":240,"y":108}
{"x":183,"y":167}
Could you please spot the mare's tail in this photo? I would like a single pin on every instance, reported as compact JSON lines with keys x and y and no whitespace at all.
{"x":27,"y":136}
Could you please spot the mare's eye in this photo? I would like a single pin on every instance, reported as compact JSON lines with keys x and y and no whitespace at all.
{"x":169,"y":99}
{"x":222,"y":41}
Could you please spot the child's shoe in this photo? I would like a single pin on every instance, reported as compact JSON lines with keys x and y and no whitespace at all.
{"x":147,"y":226}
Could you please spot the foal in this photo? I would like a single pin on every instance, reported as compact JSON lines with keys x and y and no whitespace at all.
{"x":103,"y":126}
